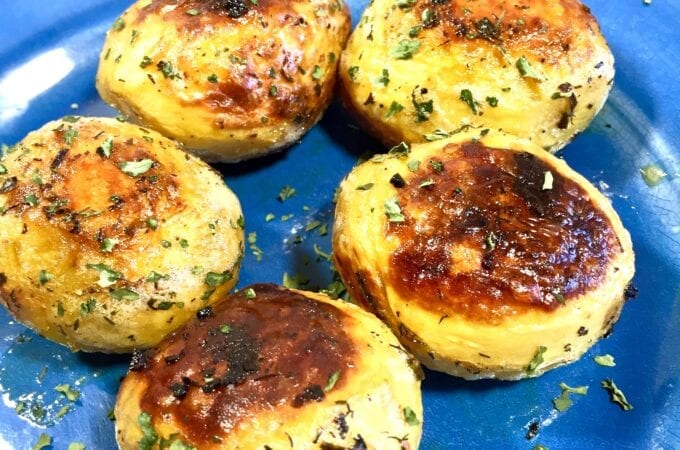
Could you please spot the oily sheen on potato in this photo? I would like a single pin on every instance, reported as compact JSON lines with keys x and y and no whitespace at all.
{"x":273,"y":368}
{"x":486,"y":255}
{"x":111,"y":236}
{"x":231,"y":79}
{"x":418,"y":70}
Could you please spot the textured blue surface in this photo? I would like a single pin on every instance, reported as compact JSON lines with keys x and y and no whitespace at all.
{"x":48,"y":56}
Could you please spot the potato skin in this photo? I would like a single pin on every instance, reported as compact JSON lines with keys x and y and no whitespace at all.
{"x":268,"y":352}
{"x":233,"y":79}
{"x":100,"y":255}
{"x":472,"y":302}
{"x":540,"y":71}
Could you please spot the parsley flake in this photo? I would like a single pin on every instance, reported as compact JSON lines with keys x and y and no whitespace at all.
{"x":466,"y":96}
{"x":71,"y":394}
{"x":536,"y":360}
{"x":393,"y":211}
{"x":43,"y":441}
{"x":616,"y":395}
{"x":124,"y":294}
{"x":394,"y":109}
{"x":405,"y":49}
{"x":605,"y":360}
{"x":107,"y":276}
{"x":44,"y":276}
{"x":332,"y":380}
{"x":410,"y":416}
{"x":136,"y":168}
{"x":526,"y":71}
{"x":286,"y":193}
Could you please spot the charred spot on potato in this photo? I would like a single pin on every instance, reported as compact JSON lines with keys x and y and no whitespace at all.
{"x":139,"y":360}
{"x":568,"y":243}
{"x":629,"y":293}
{"x":246,"y":356}
{"x":232,"y":8}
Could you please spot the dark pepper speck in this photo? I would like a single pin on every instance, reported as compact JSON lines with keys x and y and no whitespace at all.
{"x":204,"y":313}
{"x":397,"y":181}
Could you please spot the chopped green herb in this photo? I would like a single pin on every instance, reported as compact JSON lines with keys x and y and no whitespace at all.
{"x":193,"y":12}
{"x":250,"y":293}
{"x":167,"y":70}
{"x":286,"y":193}
{"x":269,"y":217}
{"x":466,"y":96}
{"x":652,"y":175}
{"x":31,"y":200}
{"x":405,"y":49}
{"x":365,"y":187}
{"x":212,"y":78}
{"x":294,"y":282}
{"x":616,"y":395}
{"x":107,"y":276}
{"x":352,"y":72}
{"x":400,"y":150}
{"x":540,"y":447}
{"x":60,"y":309}
{"x":146,"y":61}
{"x":321,"y":255}
{"x":332,"y":380}
{"x":124,"y":294}
{"x":317,"y":73}
{"x":423,"y":109}
{"x":197,"y":270}
{"x":436,"y":135}
{"x":393,"y":211}
{"x":438,"y":166}
{"x":536,"y":360}
{"x":71,"y":394}
{"x":155,"y":277}
{"x":562,"y":402}
{"x":36,"y":179}
{"x":3,"y":169}
{"x":43,"y":441}
{"x":273,"y":90}
{"x":255,"y":250}
{"x":44,"y":276}
{"x":62,"y":412}
{"x":105,"y":148}
{"x":76,"y":446}
{"x":414,"y":31}
{"x":118,"y":24}
{"x":394,"y":109}
{"x":87,"y":307}
{"x":152,"y":223}
{"x":70,"y":135}
{"x":183,"y":243}
{"x":405,"y":3}
{"x":225,"y":329}
{"x":410,"y":416}
{"x":492,"y":101}
{"x":526,"y":71}
{"x":41,"y":375}
{"x":605,"y":360}
{"x":136,"y":168}
{"x":150,"y":437}
{"x":413,"y":165}
{"x":547,"y":180}
{"x":214,"y":279}
{"x":384,"y":79}
{"x":108,"y":244}
{"x":580,"y":390}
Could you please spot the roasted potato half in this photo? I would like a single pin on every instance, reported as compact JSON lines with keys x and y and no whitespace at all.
{"x":111,"y":236}
{"x":418,"y":70}
{"x":486,"y":255}
{"x":273,"y":368}
{"x":231,"y":79}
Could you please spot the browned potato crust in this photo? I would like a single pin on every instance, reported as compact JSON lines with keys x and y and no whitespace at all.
{"x":483,"y":253}
{"x":274,"y":368}
{"x":111,"y":236}
{"x":418,"y":70}
{"x":230,"y":79}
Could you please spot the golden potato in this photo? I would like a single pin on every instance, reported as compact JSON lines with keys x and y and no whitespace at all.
{"x":274,"y":368}
{"x":487,"y":256}
{"x":417,"y":70}
{"x":111,"y":236}
{"x":231,"y":79}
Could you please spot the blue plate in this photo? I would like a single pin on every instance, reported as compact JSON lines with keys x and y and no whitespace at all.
{"x":48,"y":59}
